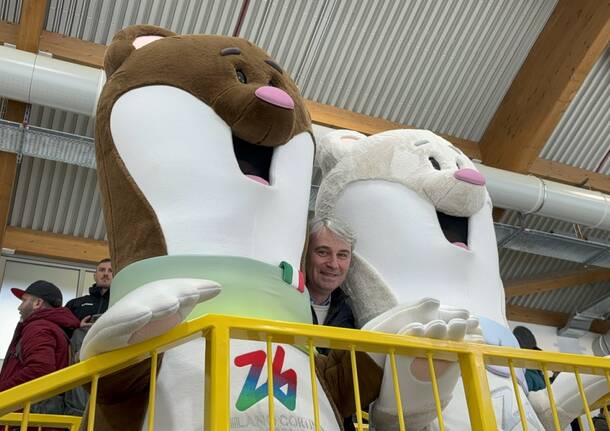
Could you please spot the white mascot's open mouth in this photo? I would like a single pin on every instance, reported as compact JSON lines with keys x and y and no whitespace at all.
{"x":455,"y":229}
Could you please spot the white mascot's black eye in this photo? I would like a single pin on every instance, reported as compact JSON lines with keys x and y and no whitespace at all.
{"x":435,"y":164}
{"x":241,"y":77}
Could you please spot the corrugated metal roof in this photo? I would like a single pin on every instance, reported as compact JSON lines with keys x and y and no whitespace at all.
{"x":57,"y":197}
{"x":98,"y":21}
{"x":582,"y":137}
{"x":442,"y":65}
{"x":517,"y":265}
{"x":10,"y":10}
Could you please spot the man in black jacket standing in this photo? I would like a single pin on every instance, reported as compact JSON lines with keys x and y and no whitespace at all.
{"x":88,"y":307}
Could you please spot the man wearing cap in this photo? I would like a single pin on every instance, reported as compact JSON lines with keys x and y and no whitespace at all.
{"x":40,"y":343}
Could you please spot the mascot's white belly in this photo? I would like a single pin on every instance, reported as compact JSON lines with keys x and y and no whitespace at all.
{"x":265,"y":223}
{"x":179,"y":403}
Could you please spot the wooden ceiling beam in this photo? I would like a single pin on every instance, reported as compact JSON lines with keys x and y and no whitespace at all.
{"x":547,"y":283}
{"x":571,"y":175}
{"x":337,"y":118}
{"x":55,"y":246}
{"x":33,"y":13}
{"x":73,"y":49}
{"x":572,"y":40}
{"x":549,"y":318}
{"x":8,"y":32}
{"x":8,"y":169}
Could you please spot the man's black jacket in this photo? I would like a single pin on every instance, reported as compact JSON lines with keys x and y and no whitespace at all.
{"x":88,"y":305}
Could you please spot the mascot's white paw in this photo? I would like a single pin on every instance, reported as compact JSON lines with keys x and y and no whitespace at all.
{"x":426,"y":318}
{"x":146,"y":312}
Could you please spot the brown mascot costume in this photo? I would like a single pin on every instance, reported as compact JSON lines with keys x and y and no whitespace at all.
{"x":204,"y":153}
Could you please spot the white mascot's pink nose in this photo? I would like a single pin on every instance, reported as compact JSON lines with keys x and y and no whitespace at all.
{"x":275,"y":96}
{"x":470,"y":176}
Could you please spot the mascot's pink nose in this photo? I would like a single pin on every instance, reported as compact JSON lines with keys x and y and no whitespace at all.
{"x":275,"y":96}
{"x":470,"y":176}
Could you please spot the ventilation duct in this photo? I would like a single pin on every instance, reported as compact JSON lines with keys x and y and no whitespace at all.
{"x":580,"y":322}
{"x":42,"y":80}
{"x":35,"y":78}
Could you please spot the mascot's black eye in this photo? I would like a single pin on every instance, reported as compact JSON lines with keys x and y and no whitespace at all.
{"x":241,"y":77}
{"x":435,"y":163}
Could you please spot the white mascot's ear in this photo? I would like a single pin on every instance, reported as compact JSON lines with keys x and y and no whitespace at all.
{"x":335,"y":146}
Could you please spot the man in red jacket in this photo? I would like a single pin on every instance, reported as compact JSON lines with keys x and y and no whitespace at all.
{"x":40,"y":343}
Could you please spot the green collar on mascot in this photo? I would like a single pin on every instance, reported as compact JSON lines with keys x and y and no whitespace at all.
{"x":250,"y":288}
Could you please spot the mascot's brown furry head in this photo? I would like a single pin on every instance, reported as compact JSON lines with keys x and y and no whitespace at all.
{"x":247,"y":89}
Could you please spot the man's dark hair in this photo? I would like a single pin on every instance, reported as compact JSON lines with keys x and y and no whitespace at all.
{"x":104,"y":261}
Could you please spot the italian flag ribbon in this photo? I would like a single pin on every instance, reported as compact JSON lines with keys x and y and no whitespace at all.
{"x":290,"y":276}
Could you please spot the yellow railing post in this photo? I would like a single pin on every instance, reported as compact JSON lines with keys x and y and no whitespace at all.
{"x":217,"y":395}
{"x":401,"y":418}
{"x":549,"y":391}
{"x":513,"y":378}
{"x":437,"y":399}
{"x":152,"y":393}
{"x":26,"y":416}
{"x":476,"y":389}
{"x":92,"y":403}
{"x":270,"y":387}
{"x":314,"y":385}
{"x":356,"y":388}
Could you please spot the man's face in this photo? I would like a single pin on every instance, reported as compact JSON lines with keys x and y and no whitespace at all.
{"x":29,"y":304}
{"x":328,"y":260}
{"x":103,"y":275}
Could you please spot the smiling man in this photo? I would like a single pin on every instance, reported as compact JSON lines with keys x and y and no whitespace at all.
{"x":329,"y":255}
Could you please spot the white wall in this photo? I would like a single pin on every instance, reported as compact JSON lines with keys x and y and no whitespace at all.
{"x":72,"y":279}
{"x":549,"y":340}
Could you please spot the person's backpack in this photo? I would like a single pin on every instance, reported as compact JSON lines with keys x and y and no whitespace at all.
{"x":75,"y":400}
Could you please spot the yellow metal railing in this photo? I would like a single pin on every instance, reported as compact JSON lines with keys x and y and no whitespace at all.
{"x":219,"y":330}
{"x":38,"y":421}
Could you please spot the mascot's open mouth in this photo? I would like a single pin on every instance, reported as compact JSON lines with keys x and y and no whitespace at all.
{"x":253,"y":160}
{"x":455,"y":229}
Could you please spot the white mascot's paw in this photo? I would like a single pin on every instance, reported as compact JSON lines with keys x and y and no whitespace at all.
{"x":148,"y":311}
{"x":426,"y":318}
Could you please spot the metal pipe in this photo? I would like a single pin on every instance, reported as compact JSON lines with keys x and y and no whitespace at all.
{"x":38,"y":79}
{"x":532,"y":195}
{"x":42,"y":80}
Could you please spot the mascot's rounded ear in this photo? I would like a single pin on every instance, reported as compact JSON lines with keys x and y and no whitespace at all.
{"x":128,"y":40}
{"x":337,"y":145}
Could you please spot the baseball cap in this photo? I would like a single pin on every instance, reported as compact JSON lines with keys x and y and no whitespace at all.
{"x":43,"y":290}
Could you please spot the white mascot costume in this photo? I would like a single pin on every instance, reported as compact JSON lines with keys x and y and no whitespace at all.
{"x":426,"y":254}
